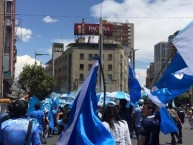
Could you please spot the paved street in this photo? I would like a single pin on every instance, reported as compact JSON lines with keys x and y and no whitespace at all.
{"x":164,"y":139}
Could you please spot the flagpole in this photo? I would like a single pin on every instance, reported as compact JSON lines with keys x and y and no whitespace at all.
{"x":104,"y":86}
{"x":101,"y":72}
{"x":100,"y":48}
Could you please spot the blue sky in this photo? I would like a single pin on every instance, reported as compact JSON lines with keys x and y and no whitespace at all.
{"x":42,"y":22}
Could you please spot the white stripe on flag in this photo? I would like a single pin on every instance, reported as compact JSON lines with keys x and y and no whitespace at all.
{"x":184,"y":44}
{"x":154,"y":99}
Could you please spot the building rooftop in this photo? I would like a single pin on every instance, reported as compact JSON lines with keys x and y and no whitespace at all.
{"x":93,"y":45}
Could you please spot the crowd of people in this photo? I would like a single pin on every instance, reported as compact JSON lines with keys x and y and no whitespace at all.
{"x":18,"y":127}
{"x":140,"y":121}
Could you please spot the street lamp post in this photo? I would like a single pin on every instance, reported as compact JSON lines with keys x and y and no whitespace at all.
{"x":132,"y":51}
{"x":37,"y":54}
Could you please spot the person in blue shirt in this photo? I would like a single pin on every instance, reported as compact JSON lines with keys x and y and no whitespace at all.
{"x":150,"y":125}
{"x":14,"y":130}
{"x":40,"y":117}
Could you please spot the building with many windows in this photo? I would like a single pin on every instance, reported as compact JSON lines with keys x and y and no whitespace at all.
{"x":7,"y":45}
{"x":122,"y":33}
{"x":150,"y":76}
{"x":73,"y":66}
{"x":160,"y":57}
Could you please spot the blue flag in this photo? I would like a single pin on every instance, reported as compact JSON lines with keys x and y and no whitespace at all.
{"x":47,"y":105}
{"x":177,"y":76}
{"x":33,"y":100}
{"x":167,"y":123}
{"x":84,"y":126}
{"x":56,"y":103}
{"x":176,"y":80}
{"x":134,"y":86}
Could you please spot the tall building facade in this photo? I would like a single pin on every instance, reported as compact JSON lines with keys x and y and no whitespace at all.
{"x":123,"y":33}
{"x":163,"y":53}
{"x":160,"y":57}
{"x":8,"y":50}
{"x":150,"y":76}
{"x":73,"y":66}
{"x":1,"y":42}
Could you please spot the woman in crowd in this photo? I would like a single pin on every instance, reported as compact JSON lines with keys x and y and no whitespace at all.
{"x":117,"y":127}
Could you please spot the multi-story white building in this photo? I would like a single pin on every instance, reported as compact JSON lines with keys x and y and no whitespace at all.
{"x":72,"y":67}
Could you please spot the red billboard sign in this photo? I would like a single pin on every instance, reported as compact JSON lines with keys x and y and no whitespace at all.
{"x":91,"y":29}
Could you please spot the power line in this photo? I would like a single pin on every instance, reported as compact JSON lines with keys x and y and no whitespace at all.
{"x":79,"y":16}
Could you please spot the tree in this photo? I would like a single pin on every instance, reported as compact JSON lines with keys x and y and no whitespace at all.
{"x":183,"y":99}
{"x":37,"y":81}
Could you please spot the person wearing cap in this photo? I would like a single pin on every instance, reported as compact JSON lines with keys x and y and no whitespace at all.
{"x":150,"y":125}
{"x":18,"y":130}
{"x":115,"y":125}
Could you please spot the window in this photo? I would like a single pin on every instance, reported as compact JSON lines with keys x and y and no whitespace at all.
{"x":81,"y":56}
{"x":81,"y":67}
{"x":81,"y":77}
{"x":110,"y":56}
{"x":89,"y":66}
{"x":90,"y":56}
{"x":9,"y":7}
{"x":109,"y":77}
{"x":96,"y":55}
{"x":110,"y":67}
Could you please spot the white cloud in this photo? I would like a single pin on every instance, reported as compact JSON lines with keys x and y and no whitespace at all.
{"x":141,"y":75}
{"x":24,"y":34}
{"x":49,"y":19}
{"x":21,"y":62}
{"x":153,"y":22}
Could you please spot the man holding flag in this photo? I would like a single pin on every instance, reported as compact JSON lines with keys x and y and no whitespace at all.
{"x":177,"y":78}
